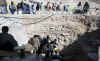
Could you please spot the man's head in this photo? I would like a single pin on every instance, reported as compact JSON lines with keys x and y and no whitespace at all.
{"x":5,"y":29}
{"x":12,"y":2}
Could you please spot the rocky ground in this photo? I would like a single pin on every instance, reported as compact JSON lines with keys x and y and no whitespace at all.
{"x":25,"y":26}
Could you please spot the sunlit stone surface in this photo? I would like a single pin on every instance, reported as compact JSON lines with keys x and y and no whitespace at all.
{"x":22,"y":27}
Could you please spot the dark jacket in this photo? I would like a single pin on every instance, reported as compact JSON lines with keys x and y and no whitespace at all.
{"x":7,"y":42}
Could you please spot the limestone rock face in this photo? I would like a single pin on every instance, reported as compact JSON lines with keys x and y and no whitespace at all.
{"x":66,"y":28}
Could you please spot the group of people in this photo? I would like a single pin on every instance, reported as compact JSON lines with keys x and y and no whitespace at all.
{"x":53,"y":6}
{"x":27,"y":9}
{"x":33,"y":46}
{"x":24,"y":8}
{"x":82,"y":8}
{"x":67,"y":7}
{"x":74,"y":52}
{"x":38,"y":43}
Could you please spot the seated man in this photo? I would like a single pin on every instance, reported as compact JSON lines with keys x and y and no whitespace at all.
{"x":7,"y":41}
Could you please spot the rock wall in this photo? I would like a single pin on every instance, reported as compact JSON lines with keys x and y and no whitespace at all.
{"x":66,"y":28}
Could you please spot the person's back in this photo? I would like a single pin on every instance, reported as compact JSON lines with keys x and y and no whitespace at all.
{"x":7,"y":42}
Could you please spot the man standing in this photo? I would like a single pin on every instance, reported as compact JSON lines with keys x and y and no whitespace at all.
{"x":12,"y":8}
{"x":86,"y":7}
